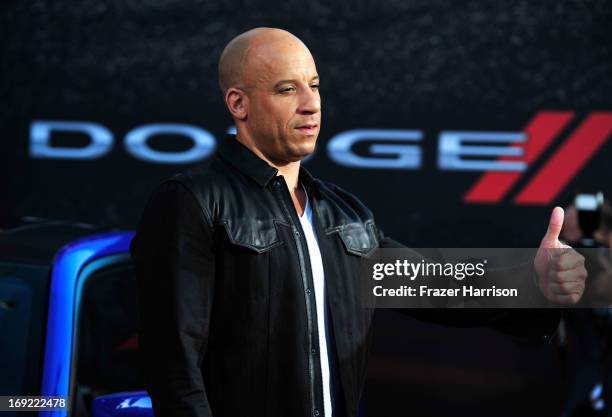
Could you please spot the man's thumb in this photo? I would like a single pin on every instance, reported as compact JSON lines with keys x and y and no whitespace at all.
{"x":554,"y":226}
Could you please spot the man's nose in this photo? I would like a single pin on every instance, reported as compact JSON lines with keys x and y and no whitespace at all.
{"x":310,"y":102}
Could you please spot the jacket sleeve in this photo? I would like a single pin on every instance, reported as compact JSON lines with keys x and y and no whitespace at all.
{"x":173,"y":255}
{"x":526,"y":325}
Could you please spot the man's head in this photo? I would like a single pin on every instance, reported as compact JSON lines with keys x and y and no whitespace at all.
{"x":571,"y":231}
{"x":271,"y":87}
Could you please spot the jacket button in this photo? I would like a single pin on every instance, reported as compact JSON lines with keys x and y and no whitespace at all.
{"x":315,"y":412}
{"x":313,"y":351}
{"x":297,"y":233}
{"x":307,"y":291}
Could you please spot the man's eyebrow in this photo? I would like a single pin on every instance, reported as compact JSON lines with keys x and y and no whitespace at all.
{"x":281,"y":82}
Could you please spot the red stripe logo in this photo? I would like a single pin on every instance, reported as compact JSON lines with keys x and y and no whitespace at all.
{"x":556,"y":173}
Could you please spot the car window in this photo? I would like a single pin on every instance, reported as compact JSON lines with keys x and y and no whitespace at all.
{"x":23,"y":305}
{"x":107,"y":355}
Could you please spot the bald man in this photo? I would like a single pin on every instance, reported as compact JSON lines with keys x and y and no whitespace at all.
{"x":248,"y":266}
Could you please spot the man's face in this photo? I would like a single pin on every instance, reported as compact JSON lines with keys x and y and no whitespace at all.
{"x":284,"y":110}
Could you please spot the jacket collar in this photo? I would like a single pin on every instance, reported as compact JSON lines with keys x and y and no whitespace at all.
{"x":244,"y":160}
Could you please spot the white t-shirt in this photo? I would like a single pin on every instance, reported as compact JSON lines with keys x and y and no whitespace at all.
{"x":318,"y":277}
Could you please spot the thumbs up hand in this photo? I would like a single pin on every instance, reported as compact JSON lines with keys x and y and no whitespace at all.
{"x":560,"y":269}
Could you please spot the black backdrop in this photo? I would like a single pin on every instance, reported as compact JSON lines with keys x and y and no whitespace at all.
{"x":431,"y":66}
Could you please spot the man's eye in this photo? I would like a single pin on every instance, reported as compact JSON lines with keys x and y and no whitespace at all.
{"x":315,"y":86}
{"x":287,"y":90}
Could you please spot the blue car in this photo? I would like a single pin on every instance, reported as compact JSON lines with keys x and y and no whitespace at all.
{"x":68,"y":320}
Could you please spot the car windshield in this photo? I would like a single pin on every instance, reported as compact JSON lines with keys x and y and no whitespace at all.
{"x":23,"y":290}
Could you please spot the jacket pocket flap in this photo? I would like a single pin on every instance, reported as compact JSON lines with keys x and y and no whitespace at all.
{"x":259,"y":235}
{"x":358,"y":238}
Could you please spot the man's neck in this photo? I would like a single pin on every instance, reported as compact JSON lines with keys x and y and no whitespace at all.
{"x":289,"y":170}
{"x":291,"y":173}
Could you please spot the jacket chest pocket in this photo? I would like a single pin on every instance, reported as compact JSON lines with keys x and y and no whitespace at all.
{"x":258,"y":235}
{"x":358,"y":238}
{"x":359,"y":243}
{"x":246,"y":262}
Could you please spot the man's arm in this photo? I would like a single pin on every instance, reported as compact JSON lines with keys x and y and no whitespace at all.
{"x":525,"y":325}
{"x":175,"y":267}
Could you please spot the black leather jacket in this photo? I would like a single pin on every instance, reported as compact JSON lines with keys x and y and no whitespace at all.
{"x":228,"y":319}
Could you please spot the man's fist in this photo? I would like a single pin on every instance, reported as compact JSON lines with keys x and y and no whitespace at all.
{"x":560,"y":269}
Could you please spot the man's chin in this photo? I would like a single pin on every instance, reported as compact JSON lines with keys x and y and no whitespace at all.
{"x":302,"y":152}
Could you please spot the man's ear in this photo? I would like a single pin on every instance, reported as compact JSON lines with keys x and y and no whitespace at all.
{"x":237,"y":103}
